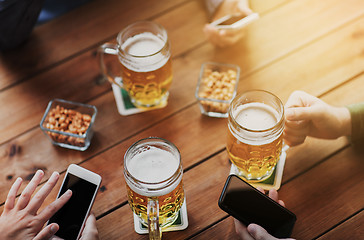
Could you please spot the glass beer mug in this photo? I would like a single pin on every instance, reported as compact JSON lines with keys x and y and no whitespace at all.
{"x":255,"y":123}
{"x":144,"y":55}
{"x":153,"y":174}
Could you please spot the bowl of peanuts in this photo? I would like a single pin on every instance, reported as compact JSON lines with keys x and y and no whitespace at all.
{"x":69,"y":124}
{"x":216,"y":88}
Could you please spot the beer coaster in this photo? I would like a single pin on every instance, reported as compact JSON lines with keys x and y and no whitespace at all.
{"x":180,"y":223}
{"x":123,"y":102}
{"x":274,"y":181}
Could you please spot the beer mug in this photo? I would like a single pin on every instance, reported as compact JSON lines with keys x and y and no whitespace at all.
{"x":153,"y":174}
{"x":143,"y":51}
{"x":255,"y":123}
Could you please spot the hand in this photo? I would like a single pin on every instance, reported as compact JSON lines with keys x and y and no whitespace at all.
{"x":21,"y":220}
{"x":307,"y":115}
{"x":90,"y":231}
{"x":254,"y":231}
{"x":223,"y":38}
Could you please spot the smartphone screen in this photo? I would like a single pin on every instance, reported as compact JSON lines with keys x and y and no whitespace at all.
{"x":72,"y":215}
{"x":249,"y":205}
{"x":232,"y":20}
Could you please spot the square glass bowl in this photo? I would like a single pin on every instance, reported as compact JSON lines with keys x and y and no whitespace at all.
{"x":216,"y":88}
{"x":69,"y":124}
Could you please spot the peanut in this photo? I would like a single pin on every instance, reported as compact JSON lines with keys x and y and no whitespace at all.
{"x":219,"y":86}
{"x":70,"y":121}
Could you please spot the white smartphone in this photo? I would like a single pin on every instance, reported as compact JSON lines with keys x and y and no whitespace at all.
{"x":234,"y":21}
{"x":72,"y":216}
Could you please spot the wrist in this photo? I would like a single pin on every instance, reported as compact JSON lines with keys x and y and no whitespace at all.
{"x":344,"y":119}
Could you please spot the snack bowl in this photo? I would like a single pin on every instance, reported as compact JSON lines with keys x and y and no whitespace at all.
{"x":69,"y":124}
{"x":216,"y":87}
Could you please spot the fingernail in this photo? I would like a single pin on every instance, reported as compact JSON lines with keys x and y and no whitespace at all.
{"x":53,"y":229}
{"x":68,"y":192}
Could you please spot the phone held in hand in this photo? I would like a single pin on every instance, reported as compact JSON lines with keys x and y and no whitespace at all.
{"x":235,"y":21}
{"x":249,"y":205}
{"x":72,"y":216}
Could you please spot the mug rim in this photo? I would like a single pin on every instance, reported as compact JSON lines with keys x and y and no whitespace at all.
{"x":128,"y":27}
{"x":168,"y":181}
{"x":238,"y":96}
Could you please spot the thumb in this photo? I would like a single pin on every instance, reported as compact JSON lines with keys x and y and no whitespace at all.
{"x":259,"y":233}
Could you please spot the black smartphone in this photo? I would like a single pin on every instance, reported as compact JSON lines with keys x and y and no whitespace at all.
{"x":247,"y":204}
{"x":72,"y":216}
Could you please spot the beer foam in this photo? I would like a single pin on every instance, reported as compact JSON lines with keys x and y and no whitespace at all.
{"x":153,"y":165}
{"x":145,"y":44}
{"x":256,"y":116}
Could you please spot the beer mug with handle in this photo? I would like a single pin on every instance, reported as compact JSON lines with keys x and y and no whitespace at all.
{"x":143,"y":50}
{"x":153,"y":174}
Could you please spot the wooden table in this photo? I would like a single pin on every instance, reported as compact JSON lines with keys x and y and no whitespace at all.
{"x":316,"y":46}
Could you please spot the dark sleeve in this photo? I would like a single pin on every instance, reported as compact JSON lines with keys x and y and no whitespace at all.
{"x":357,"y":122}
{"x":17,"y":19}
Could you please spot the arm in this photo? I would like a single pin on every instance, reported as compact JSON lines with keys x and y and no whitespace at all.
{"x":17,"y":18}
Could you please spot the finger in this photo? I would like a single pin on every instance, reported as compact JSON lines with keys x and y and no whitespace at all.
{"x":281,"y":203}
{"x":273,"y":194}
{"x":29,"y":190}
{"x":297,"y":125}
{"x":241,"y":230}
{"x":47,"y":232}
{"x":261,"y":190}
{"x":259,"y":233}
{"x":10,"y":199}
{"x":293,"y":140}
{"x":90,"y":223}
{"x":298,"y":99}
{"x":52,"y":208}
{"x":90,"y":230}
{"x":40,"y":196}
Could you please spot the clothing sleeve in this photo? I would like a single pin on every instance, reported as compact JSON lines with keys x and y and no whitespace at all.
{"x":17,"y":19}
{"x":357,"y":122}
{"x":212,"y":5}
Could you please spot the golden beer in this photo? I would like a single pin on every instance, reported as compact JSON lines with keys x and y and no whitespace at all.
{"x":143,"y":50}
{"x":153,"y":172}
{"x":254,"y":142}
{"x":146,"y":69}
{"x":169,"y":205}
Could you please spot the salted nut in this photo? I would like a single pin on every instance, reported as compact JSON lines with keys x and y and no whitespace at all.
{"x":69,"y":121}
{"x":219,"y":86}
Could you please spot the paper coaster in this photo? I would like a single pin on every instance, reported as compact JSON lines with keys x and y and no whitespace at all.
{"x":181,"y":222}
{"x":274,"y":181}
{"x":123,"y":102}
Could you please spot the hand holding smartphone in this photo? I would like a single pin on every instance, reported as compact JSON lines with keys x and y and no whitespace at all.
{"x":72,"y":216}
{"x":249,"y":205}
{"x":235,"y":21}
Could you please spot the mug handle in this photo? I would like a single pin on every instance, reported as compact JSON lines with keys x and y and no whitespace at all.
{"x":155,"y":232}
{"x":108,"y":48}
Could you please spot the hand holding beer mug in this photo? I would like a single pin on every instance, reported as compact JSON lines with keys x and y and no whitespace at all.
{"x":144,"y":55}
{"x":256,"y":123}
{"x":153,"y":174}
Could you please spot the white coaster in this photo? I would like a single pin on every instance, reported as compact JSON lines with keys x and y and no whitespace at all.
{"x":181,"y":222}
{"x":123,"y":103}
{"x":274,"y":181}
